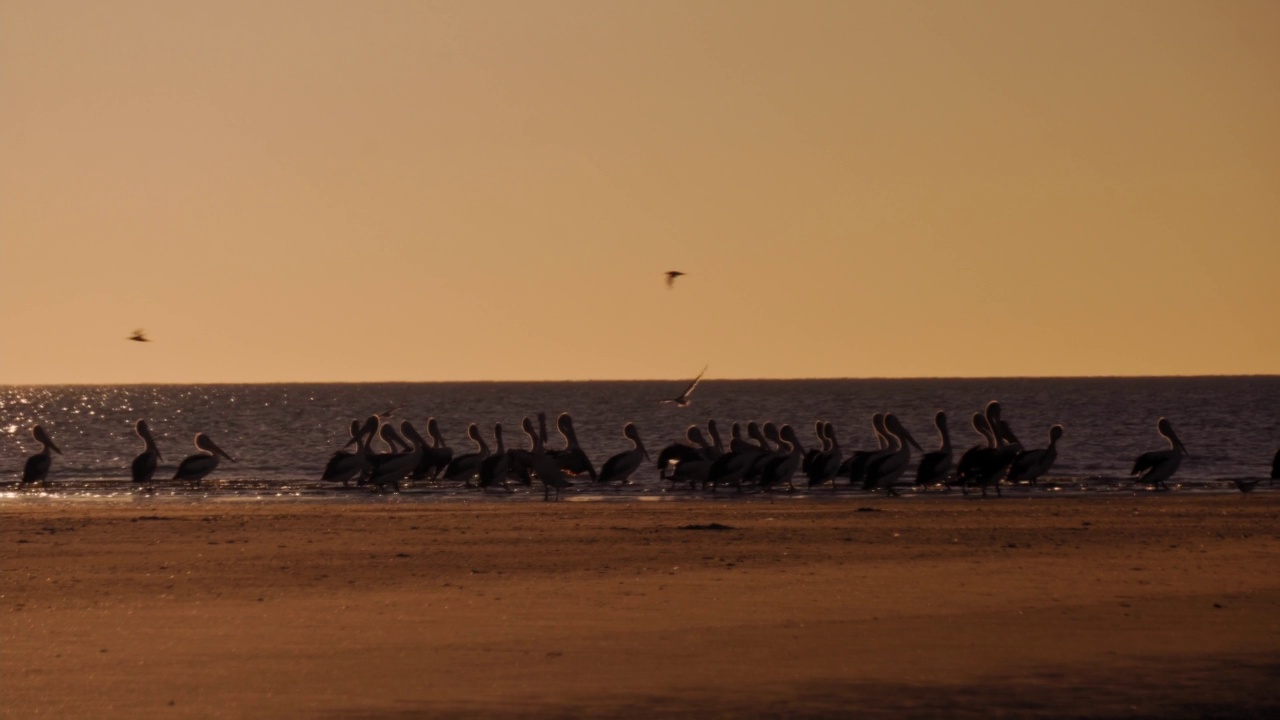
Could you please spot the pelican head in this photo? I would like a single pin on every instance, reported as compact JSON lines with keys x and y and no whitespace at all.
{"x":408,"y":430}
{"x":983,"y":426}
{"x":1055,"y":433}
{"x":206,"y":444}
{"x":940,"y":420}
{"x":433,"y":429}
{"x":993,"y":413}
{"x":893,"y":425}
{"x":829,"y":431}
{"x":473,"y":431}
{"x":753,"y":432}
{"x":695,"y":436}
{"x":144,"y":432}
{"x":527,"y":425}
{"x":392,"y":438}
{"x":771,"y":432}
{"x":632,"y":434}
{"x":877,"y":422}
{"x":43,"y":438}
{"x":788,"y":434}
{"x":357,"y":432}
{"x":1166,"y":429}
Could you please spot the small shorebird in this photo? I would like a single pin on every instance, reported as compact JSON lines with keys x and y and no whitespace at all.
{"x":196,"y":467}
{"x":683,"y":399}
{"x":37,"y":467}
{"x":1153,"y":468}
{"x":620,"y":467}
{"x":139,"y":336}
{"x":671,"y":277}
{"x":144,"y":466}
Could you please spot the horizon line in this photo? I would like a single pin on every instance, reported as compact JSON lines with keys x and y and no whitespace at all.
{"x":648,"y":380}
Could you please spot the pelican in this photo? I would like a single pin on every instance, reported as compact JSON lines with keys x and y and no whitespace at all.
{"x":935,"y":465}
{"x":983,"y":466}
{"x":399,"y":466}
{"x":683,"y":399}
{"x":855,"y":466}
{"x":884,"y":470}
{"x":345,"y":466}
{"x":671,"y":277}
{"x":37,"y":467}
{"x":196,"y":467}
{"x":680,"y":453}
{"x":782,"y":466}
{"x":493,"y":469}
{"x":1153,"y":468}
{"x":714,"y":432}
{"x":573,"y":459}
{"x":733,"y":466}
{"x":144,"y":466}
{"x":693,"y":467}
{"x":825,"y":465}
{"x":545,"y":467}
{"x":464,"y":467}
{"x":139,"y":336}
{"x":819,"y":430}
{"x":435,"y":458}
{"x":620,"y":467}
{"x":1031,"y":464}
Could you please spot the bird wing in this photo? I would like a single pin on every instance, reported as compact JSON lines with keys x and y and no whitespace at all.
{"x":689,"y":390}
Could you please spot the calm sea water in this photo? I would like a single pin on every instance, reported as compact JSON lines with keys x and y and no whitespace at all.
{"x":282,"y":435}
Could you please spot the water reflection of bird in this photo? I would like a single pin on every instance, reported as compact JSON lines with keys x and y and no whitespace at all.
{"x":37,"y":467}
{"x":671,"y":277}
{"x":1153,"y":468}
{"x":683,"y":399}
{"x":196,"y":467}
{"x":139,"y":336}
{"x":144,"y":466}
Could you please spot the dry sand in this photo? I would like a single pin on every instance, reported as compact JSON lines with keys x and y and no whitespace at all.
{"x":1154,"y":605}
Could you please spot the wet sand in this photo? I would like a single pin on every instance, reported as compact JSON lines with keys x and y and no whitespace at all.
{"x":1155,"y":605}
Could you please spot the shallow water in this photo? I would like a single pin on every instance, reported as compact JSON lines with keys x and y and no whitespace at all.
{"x":282,"y":435}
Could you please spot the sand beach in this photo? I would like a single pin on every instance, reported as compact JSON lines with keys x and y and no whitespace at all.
{"x":1146,"y":605}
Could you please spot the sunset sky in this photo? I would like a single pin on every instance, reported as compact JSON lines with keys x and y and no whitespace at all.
{"x":361,"y":191}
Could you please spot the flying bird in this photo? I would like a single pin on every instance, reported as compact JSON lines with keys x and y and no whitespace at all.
{"x":671,"y":277}
{"x":139,"y":336}
{"x":683,"y":399}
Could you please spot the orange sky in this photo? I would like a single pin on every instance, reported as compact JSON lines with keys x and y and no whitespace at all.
{"x":352,"y":191}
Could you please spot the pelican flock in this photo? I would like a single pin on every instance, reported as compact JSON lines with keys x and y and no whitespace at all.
{"x":765,"y":457}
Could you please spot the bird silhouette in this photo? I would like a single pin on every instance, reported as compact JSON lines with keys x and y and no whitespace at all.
{"x":671,"y":277}
{"x":683,"y":399}
{"x":139,"y":336}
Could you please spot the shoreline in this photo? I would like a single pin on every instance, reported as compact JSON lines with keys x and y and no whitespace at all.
{"x":1164,"y":606}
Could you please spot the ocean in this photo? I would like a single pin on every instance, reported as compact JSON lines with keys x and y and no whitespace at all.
{"x":281,"y":435}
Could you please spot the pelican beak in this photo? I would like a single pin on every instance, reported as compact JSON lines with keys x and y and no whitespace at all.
{"x":223,"y":453}
{"x":646,"y":454}
{"x":913,"y":442}
{"x":352,"y":441}
{"x":54,"y":447}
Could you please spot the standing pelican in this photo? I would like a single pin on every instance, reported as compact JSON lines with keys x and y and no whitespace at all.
{"x":464,"y":467}
{"x":935,"y":465}
{"x":620,"y":467}
{"x":884,"y":470}
{"x":826,"y":464}
{"x":855,"y":466}
{"x":1153,"y":468}
{"x":196,"y":467}
{"x":683,"y":399}
{"x":345,"y":466}
{"x":493,"y":469}
{"x":399,"y":465}
{"x":573,"y":459}
{"x":37,"y":467}
{"x":782,"y":466}
{"x":695,"y":451}
{"x":1031,"y":464}
{"x":435,"y":458}
{"x":144,"y":466}
{"x":545,"y":467}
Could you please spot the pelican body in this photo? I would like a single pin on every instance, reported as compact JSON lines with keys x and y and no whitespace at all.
{"x":345,"y":466}
{"x":935,"y":465}
{"x":1154,"y":468}
{"x":884,"y":471}
{"x":144,"y":466}
{"x":620,"y":467}
{"x":37,"y":466}
{"x":1031,"y":464}
{"x":195,"y":468}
